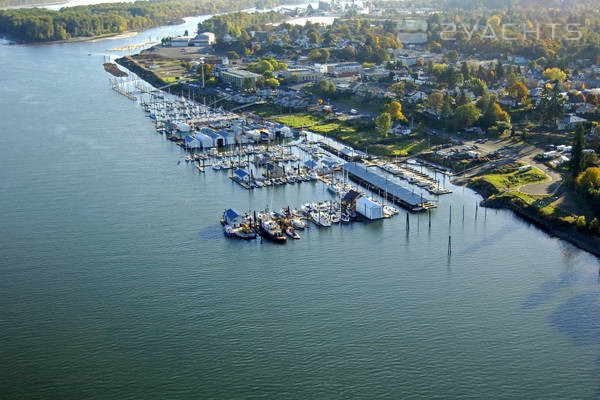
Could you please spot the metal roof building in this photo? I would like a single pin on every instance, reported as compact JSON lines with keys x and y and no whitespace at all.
{"x":395,"y":193}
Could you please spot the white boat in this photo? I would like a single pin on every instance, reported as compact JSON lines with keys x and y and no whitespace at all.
{"x":306,"y":209}
{"x":344,"y":218}
{"x":321,"y":219}
{"x":332,"y":187}
{"x":334,"y":218}
{"x":216,"y":166}
{"x":298,"y":223}
{"x":390,"y":210}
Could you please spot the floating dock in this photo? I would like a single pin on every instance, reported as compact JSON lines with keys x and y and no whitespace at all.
{"x":395,"y":193}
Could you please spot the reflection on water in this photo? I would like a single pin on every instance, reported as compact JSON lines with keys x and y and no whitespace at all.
{"x":579,"y":318}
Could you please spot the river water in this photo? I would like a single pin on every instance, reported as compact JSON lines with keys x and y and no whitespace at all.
{"x":117,"y":283}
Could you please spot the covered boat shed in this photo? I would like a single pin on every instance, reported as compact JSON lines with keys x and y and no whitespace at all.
{"x":403,"y":197}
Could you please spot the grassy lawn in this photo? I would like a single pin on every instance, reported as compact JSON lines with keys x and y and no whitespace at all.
{"x":525,"y":197}
{"x":510,"y":177}
{"x":300,"y":120}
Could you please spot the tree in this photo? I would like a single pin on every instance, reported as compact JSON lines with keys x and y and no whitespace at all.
{"x":477,"y":86}
{"x":208,"y":70}
{"x":465,"y":116}
{"x":313,"y":37}
{"x":384,"y":123}
{"x":398,"y":89}
{"x":319,"y":55}
{"x":589,"y":179}
{"x":232,"y":55}
{"x":395,"y":110}
{"x":580,"y":223}
{"x":272,"y":82}
{"x":434,"y":47}
{"x":447,"y":106}
{"x":463,"y":98}
{"x":348,"y":53}
{"x":577,"y":151}
{"x":331,"y":89}
{"x":465,"y":70}
{"x":492,"y":112}
{"x":518,"y":91}
{"x":554,"y":75}
{"x":324,"y":85}
{"x":435,"y":100}
{"x":451,"y":56}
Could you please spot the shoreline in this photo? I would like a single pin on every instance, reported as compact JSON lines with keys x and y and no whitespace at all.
{"x":572,"y":236}
{"x":579,"y":240}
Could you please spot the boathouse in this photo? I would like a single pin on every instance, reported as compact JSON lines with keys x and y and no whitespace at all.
{"x":204,"y":140}
{"x":368,"y":208}
{"x":191,"y":142}
{"x":350,"y":198}
{"x":241,"y":175}
{"x":232,"y":218}
{"x":393,"y":192}
{"x":228,"y":138}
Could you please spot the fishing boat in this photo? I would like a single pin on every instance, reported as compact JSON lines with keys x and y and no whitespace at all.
{"x":272,"y":231}
{"x":292,"y":233}
{"x":344,"y":218}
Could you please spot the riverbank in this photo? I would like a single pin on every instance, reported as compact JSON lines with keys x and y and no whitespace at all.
{"x":114,"y":70}
{"x":145,"y":74}
{"x":554,"y":223}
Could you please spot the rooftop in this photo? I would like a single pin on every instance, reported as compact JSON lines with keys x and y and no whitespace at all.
{"x":359,"y":170}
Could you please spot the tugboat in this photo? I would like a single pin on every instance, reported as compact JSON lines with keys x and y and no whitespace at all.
{"x":271,"y":230}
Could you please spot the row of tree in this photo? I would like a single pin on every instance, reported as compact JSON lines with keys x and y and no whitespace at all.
{"x":36,"y":24}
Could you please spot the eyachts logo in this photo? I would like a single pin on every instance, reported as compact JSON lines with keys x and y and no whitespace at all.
{"x":412,"y":31}
{"x":511,"y":31}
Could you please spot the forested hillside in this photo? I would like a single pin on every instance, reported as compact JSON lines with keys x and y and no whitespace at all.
{"x":36,"y":24}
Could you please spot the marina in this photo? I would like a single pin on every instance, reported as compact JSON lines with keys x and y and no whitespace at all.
{"x":256,"y":152}
{"x":278,"y":226}
{"x":117,"y":280}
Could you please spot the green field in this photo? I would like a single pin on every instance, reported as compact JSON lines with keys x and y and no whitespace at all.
{"x":508,"y":178}
{"x":300,"y":120}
